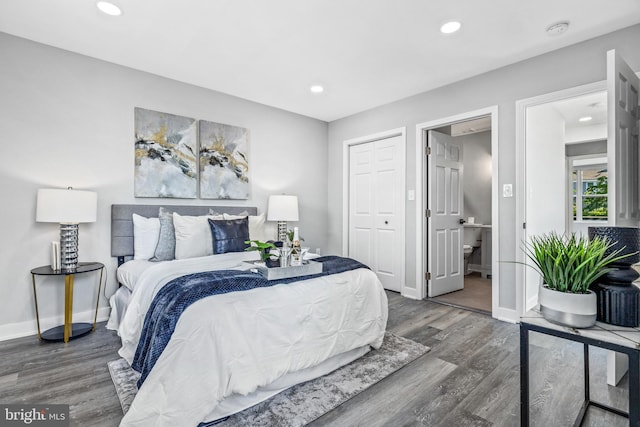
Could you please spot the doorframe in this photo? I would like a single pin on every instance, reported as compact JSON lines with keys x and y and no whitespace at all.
{"x":422,"y":203}
{"x":402,"y":133}
{"x":521,"y":176}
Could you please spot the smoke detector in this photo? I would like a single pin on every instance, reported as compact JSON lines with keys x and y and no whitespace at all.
{"x":558,"y":28}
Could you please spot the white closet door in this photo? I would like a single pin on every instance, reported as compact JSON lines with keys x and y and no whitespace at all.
{"x":375,"y":198}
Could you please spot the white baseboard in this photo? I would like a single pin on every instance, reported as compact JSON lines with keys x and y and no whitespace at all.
{"x":531,"y":303}
{"x":506,"y":315}
{"x":479,"y":268}
{"x":30,"y":327}
{"x":411,"y":293}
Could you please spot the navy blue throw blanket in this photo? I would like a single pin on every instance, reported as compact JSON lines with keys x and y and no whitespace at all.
{"x":180,"y":293}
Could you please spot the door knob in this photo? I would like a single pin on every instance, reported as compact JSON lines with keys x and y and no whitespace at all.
{"x":462,"y":221}
{"x":386,"y":222}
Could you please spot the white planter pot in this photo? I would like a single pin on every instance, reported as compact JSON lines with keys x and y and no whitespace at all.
{"x":568,"y":309}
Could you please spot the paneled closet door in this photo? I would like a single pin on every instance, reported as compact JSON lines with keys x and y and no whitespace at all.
{"x":375,"y":194}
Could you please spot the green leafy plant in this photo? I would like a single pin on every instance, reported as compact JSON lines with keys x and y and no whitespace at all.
{"x":263,"y":247}
{"x":571,"y":263}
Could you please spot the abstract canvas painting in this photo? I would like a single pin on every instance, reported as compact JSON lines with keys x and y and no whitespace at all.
{"x":166,"y":159}
{"x":224,"y":165}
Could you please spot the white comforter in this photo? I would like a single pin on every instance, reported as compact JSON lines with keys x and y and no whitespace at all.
{"x":236,"y":342}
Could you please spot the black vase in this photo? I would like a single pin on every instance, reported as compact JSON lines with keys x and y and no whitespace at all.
{"x":618,"y":298}
{"x":625,"y":238}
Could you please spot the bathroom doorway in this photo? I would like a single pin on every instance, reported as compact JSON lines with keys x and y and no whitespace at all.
{"x":470,"y":283}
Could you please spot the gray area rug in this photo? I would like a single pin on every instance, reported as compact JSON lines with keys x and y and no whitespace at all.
{"x":304,"y":402}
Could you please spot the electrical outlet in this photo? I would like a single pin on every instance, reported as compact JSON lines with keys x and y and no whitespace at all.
{"x":507,"y":190}
{"x":411,"y":194}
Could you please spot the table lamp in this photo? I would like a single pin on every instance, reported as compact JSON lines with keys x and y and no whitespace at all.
{"x":282,"y":208}
{"x":69,"y":208}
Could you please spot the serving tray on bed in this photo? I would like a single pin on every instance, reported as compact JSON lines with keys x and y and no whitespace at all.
{"x":276,"y":273}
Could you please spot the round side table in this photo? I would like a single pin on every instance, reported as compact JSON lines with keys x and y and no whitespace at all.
{"x":69,"y":330}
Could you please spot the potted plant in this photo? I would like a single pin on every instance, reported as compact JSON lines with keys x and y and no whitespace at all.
{"x":568,"y":266}
{"x":263,"y":247}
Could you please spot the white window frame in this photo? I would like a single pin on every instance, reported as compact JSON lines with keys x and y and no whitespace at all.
{"x":597,"y":163}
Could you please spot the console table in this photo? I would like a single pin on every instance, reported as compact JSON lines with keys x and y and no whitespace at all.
{"x":69,"y":330}
{"x":611,"y":337}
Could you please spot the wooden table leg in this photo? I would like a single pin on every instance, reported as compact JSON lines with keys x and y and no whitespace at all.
{"x":68,"y":306}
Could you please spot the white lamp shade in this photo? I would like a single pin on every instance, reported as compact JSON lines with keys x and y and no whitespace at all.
{"x":282,"y":208}
{"x":66,"y":206}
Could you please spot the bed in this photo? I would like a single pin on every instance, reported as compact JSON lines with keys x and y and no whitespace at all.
{"x":231,"y":350}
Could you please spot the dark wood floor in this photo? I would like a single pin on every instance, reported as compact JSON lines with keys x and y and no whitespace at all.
{"x":470,"y":376}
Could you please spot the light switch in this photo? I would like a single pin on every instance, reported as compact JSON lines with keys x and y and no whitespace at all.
{"x":411,"y":194}
{"x":507,"y":190}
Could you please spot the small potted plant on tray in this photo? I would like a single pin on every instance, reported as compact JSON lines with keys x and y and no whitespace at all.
{"x":568,"y":266}
{"x":265,"y":251}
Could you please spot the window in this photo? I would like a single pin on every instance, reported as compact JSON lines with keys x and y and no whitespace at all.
{"x":589,"y":183}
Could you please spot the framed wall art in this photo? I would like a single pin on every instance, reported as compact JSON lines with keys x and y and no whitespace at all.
{"x":224,"y":163}
{"x":165,"y":155}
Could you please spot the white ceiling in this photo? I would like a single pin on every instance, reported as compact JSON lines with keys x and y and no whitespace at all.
{"x":365,"y":53}
{"x":593,"y":105}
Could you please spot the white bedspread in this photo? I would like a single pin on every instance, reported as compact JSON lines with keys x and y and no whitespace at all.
{"x":233,"y":343}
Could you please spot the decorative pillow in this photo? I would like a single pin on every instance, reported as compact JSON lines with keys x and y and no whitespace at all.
{"x":229,"y":235}
{"x":145,"y":236}
{"x":193,"y":236}
{"x":166,"y":247}
{"x":258,"y":229}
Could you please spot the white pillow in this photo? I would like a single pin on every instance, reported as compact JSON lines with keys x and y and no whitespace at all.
{"x":193,"y":235}
{"x":146,"y":232}
{"x":258,"y":228}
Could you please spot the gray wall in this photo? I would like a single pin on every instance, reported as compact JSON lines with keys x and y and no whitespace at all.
{"x":569,"y":67}
{"x":477,"y":176}
{"x":67,"y":120}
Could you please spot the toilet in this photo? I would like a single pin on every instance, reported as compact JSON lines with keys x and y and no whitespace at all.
{"x":472,"y":240}
{"x":467,"y":250}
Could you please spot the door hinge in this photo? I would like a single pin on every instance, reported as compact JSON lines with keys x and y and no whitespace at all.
{"x":427,"y":276}
{"x":427,"y":213}
{"x":427,"y":151}
{"x":524,"y":225}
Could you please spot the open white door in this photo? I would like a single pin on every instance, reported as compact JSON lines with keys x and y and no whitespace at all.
{"x":624,"y":159}
{"x":622,"y":141}
{"x":445,"y":225}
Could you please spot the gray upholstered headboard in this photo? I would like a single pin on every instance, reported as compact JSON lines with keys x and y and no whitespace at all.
{"x":122,"y":221}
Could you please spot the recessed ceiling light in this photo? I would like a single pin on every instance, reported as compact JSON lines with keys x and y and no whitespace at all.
{"x":450,"y":27}
{"x":585,"y":119}
{"x":558,"y":28}
{"x":109,"y":8}
{"x":316,"y":89}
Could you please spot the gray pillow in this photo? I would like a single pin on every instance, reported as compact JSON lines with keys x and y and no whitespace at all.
{"x":166,"y":247}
